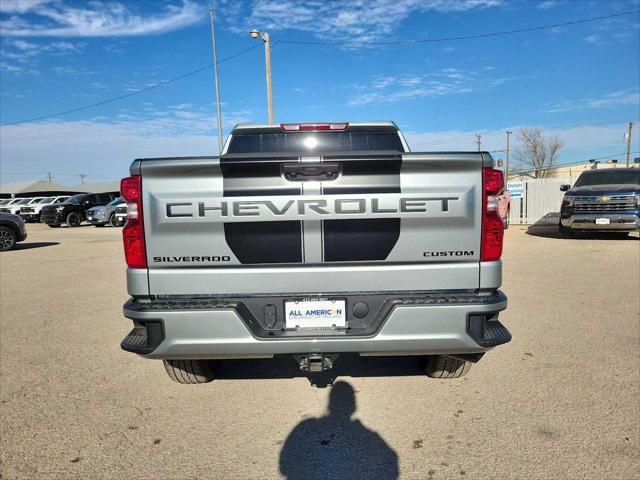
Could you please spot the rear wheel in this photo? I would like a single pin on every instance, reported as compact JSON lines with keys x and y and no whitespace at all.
{"x":505,"y":221}
{"x":190,"y":371}
{"x":7,"y":239}
{"x":441,"y":366}
{"x":74,"y":219}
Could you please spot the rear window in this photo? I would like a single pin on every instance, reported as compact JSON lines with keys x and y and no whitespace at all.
{"x":310,"y":142}
{"x":608,"y":177}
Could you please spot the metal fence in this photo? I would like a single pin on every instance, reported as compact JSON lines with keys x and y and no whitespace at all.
{"x":540,"y":203}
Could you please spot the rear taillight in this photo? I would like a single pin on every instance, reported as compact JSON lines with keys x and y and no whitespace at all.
{"x":492,"y":226}
{"x":135,"y":251}
{"x":313,"y":127}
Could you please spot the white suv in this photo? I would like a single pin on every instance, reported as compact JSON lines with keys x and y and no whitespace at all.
{"x":14,"y":207}
{"x":31,"y":212}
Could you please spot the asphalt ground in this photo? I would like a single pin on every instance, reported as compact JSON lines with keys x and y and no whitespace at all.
{"x":560,"y":401}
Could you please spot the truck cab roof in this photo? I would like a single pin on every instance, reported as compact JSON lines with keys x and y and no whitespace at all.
{"x":270,"y":127}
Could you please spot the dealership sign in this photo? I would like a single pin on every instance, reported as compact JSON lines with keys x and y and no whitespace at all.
{"x":516,"y":189}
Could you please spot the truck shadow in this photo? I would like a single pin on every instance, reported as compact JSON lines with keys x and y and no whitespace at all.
{"x":336,"y":445}
{"x":547,"y":227}
{"x":28,"y":246}
{"x":347,"y":365}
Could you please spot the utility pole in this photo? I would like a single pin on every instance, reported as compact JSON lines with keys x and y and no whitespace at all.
{"x":629,"y":143}
{"x":267,"y":54}
{"x":83,"y":177}
{"x":50,"y":177}
{"x":506,"y":172}
{"x":479,"y":140}
{"x":215,"y":74}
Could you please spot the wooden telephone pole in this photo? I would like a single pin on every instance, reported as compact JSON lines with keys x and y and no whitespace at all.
{"x":479,"y":141}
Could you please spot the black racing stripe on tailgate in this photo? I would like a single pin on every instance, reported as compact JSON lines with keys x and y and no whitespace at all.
{"x":260,"y":242}
{"x":363,"y":239}
{"x":265,"y":242}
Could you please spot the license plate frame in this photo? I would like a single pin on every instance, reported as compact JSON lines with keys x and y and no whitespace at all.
{"x":603,"y":221}
{"x":315,"y":313}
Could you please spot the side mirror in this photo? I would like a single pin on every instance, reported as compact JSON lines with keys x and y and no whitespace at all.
{"x":564,"y":188}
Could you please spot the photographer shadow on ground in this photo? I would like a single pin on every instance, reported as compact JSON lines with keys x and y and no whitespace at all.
{"x":337,"y":446}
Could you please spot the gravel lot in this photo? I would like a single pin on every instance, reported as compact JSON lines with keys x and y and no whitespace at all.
{"x":559,"y":401}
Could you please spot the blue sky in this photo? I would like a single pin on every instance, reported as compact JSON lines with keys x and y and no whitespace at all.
{"x":579,"y":82}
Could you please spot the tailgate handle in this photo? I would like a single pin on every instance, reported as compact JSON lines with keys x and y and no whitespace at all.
{"x":297,"y":172}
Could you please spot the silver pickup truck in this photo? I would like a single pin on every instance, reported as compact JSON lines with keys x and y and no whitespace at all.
{"x":312,"y":240}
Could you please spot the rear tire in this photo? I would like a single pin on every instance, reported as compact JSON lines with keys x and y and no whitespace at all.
{"x":7,"y":239}
{"x":190,"y":371}
{"x":74,"y":220}
{"x":441,"y":366}
{"x":505,"y":221}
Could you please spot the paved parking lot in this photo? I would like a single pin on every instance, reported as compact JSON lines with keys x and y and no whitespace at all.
{"x":559,"y":401}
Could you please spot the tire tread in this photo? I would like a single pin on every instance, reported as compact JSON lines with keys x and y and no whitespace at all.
{"x":441,"y":366}
{"x":189,"y":372}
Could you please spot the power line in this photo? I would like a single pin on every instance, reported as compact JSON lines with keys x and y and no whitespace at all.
{"x":131,"y":94}
{"x":462,"y":37}
{"x":296,"y":42}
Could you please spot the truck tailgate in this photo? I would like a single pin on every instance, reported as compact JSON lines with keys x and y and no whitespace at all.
{"x":370,"y":221}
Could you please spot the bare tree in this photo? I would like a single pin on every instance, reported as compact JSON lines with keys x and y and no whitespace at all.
{"x":537,"y":155}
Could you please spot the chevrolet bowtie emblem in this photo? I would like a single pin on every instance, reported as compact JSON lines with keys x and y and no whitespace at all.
{"x":603,"y":199}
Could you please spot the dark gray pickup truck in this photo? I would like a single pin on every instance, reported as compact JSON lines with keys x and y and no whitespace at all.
{"x":313,"y":240}
{"x":602,"y":200}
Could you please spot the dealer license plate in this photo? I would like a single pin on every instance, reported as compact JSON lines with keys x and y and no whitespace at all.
{"x":315,"y":314}
{"x":603,"y":221}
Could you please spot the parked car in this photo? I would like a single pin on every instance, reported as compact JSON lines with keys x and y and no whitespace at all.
{"x":7,"y":202}
{"x":101,"y":216}
{"x":31,"y":212}
{"x":121,"y":215}
{"x":602,"y":200}
{"x":296,"y":241}
{"x":12,"y":230}
{"x":72,"y":212}
{"x":14,"y":207}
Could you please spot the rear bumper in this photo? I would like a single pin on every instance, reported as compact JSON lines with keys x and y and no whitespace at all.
{"x":422,"y":324}
{"x":618,"y":221}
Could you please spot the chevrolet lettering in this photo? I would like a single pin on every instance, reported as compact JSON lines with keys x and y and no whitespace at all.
{"x":265,"y":210}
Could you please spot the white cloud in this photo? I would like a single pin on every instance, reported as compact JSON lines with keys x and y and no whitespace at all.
{"x":593,"y":39}
{"x":399,"y":88}
{"x":620,"y":98}
{"x":106,"y":149}
{"x":579,"y":138}
{"x":547,"y":4}
{"x":337,"y":21}
{"x":93,"y":19}
{"x":21,"y":6}
{"x":24,"y":55}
